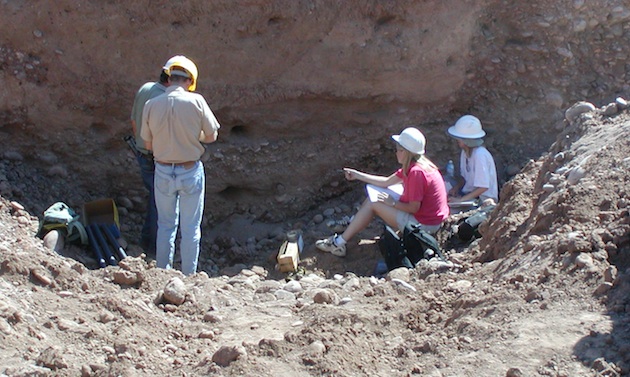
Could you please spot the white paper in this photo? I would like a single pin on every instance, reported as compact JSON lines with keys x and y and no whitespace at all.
{"x":467,"y":203}
{"x":394,"y":190}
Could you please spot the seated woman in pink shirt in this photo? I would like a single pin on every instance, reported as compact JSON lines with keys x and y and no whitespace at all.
{"x":423,"y":199}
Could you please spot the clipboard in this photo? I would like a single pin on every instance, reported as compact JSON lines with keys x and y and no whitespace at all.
{"x":466,"y":203}
{"x":394,"y":190}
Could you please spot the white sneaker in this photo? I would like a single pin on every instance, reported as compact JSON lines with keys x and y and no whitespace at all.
{"x":328,"y":245}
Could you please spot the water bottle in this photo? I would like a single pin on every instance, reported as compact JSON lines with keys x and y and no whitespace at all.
{"x":450,"y":169}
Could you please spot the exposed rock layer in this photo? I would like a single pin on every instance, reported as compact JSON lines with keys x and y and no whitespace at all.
{"x":301,"y":88}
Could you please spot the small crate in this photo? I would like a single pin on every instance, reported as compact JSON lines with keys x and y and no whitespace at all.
{"x":102,"y":211}
{"x":288,"y":256}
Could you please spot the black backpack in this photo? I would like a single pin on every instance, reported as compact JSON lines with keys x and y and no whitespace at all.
{"x":468,"y":227}
{"x":415,"y":245}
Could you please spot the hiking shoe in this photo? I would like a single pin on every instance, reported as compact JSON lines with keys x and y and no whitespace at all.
{"x":328,"y":245}
{"x":339,"y":226}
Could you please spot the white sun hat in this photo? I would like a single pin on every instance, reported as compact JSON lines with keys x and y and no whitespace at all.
{"x":467,"y":127}
{"x":412,"y":140}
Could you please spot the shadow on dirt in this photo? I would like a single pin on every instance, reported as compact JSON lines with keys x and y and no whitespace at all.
{"x":607,"y":350}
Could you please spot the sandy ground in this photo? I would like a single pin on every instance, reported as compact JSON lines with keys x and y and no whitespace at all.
{"x":545,"y":292}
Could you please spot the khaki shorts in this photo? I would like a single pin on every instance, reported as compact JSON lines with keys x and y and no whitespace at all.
{"x":403,"y":218}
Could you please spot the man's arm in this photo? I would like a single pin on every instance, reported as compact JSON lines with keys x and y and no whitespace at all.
{"x":209,"y":124}
{"x":208,"y":138}
{"x":470,"y":196}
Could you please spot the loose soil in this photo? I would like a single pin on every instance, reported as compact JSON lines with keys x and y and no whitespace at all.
{"x":545,"y":291}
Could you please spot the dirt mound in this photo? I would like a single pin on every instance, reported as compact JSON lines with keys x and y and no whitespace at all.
{"x":545,"y":292}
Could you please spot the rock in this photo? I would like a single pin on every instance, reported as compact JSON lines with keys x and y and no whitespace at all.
{"x":86,"y":371}
{"x":603,"y":288}
{"x":281,"y":294}
{"x":206,"y":334}
{"x":576,"y":174}
{"x":459,"y":286}
{"x":106,"y":317}
{"x":212,"y":318}
{"x":610,"y":274}
{"x":559,"y":157}
{"x":125,"y":202}
{"x":16,"y":206}
{"x":556,"y":179}
{"x":41,"y":275}
{"x":324,"y":296}
{"x":175,"y":291}
{"x":13,"y":156}
{"x":316,"y":348}
{"x":268,"y":286}
{"x":57,"y":171}
{"x":584,"y":260}
{"x":5,"y":327}
{"x":226,"y":354}
{"x":622,"y":104}
{"x":260,"y":271}
{"x":66,"y":324}
{"x":579,"y":25}
{"x":329,"y":212}
{"x":532,"y":295}
{"x":293,"y":286}
{"x":554,"y":99}
{"x":514,"y":372}
{"x":401,"y":273}
{"x":574,"y":112}
{"x":135,"y":264}
{"x":610,"y":109}
{"x":126,"y":277}
{"x":54,"y":240}
{"x":352,"y":284}
{"x":547,"y":187}
{"x":52,"y":358}
{"x":404,"y":284}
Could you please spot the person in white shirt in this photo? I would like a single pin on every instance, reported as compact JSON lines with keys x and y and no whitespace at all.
{"x":476,"y":165}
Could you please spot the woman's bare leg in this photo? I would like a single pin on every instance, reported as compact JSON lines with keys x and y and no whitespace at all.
{"x":365,"y":215}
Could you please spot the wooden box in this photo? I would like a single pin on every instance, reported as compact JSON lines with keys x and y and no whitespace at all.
{"x":102,"y":211}
{"x":288,"y":256}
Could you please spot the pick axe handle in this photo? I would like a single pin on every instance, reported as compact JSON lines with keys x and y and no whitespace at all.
{"x":97,"y":249}
{"x":112,"y":240}
{"x":101,"y":241}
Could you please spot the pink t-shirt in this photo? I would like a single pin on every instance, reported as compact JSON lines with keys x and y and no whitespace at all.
{"x":426,"y":187}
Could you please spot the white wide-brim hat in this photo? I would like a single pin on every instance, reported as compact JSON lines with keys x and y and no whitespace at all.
{"x":412,"y":140}
{"x":467,"y":127}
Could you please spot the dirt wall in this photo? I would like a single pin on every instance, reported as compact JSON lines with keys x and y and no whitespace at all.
{"x":301,"y":88}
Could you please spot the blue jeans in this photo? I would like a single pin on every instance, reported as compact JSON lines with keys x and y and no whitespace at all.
{"x":179,"y":197}
{"x":149,"y":229}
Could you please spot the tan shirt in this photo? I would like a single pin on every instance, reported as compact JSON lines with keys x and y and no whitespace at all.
{"x":173,"y":122}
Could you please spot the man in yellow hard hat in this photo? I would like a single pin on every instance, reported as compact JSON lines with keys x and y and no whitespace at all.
{"x":143,"y":155}
{"x":175,"y":124}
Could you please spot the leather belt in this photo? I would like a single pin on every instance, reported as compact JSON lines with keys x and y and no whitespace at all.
{"x":185,"y":165}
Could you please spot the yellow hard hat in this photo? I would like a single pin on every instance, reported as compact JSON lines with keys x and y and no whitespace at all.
{"x":187,"y":65}
{"x":169,"y":62}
